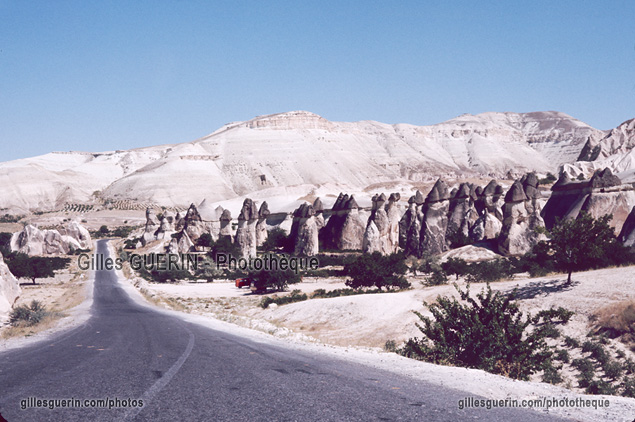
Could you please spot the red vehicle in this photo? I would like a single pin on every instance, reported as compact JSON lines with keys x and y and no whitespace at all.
{"x":243,"y":282}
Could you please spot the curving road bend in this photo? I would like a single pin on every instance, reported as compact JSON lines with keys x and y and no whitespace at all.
{"x":186,"y":372}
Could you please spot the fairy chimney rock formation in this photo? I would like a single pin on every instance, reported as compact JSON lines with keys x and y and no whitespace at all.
{"x":521,"y":216}
{"x":261,"y":225}
{"x":193,"y":223}
{"x":435,"y":220}
{"x":382,"y":229}
{"x":304,"y":231}
{"x":463,"y":214}
{"x":246,"y":231}
{"x":344,"y":229}
{"x":318,"y":207}
{"x":226,"y":224}
{"x":410,"y":227}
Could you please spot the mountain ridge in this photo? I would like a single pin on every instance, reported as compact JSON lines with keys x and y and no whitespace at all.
{"x":299,"y":148}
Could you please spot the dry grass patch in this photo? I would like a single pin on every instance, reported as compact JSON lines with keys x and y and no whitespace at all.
{"x":617,"y":320}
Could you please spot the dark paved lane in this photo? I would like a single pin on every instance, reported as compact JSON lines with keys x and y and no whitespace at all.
{"x":186,"y":372}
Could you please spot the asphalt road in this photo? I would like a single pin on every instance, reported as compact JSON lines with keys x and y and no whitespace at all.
{"x":186,"y":372}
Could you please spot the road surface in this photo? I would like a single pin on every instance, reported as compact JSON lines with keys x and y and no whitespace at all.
{"x":186,"y":372}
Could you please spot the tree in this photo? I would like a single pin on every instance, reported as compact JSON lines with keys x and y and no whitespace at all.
{"x":277,"y":238}
{"x":455,"y":266}
{"x":24,"y":266}
{"x":277,"y":280}
{"x":205,"y":240}
{"x":489,"y":333}
{"x":121,"y":231}
{"x":224,"y":246}
{"x":103,"y":230}
{"x":581,"y":243}
{"x":377,"y":270}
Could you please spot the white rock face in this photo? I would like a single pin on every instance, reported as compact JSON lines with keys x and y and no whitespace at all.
{"x":261,"y":226}
{"x":627,"y":235}
{"x":382,"y":229}
{"x":33,"y":241}
{"x":280,"y":151}
{"x":9,"y":289}
{"x":304,"y":231}
{"x":77,"y":234}
{"x":435,"y":220}
{"x":246,"y":231}
{"x":521,"y":216}
{"x":615,"y":151}
{"x":603,"y":194}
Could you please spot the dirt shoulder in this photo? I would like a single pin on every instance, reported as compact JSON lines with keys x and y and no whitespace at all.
{"x":67,"y":295}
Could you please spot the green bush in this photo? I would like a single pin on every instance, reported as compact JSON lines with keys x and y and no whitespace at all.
{"x":612,"y":370}
{"x":551,"y":374}
{"x":436,"y":278}
{"x":628,"y":387}
{"x":562,"y":355}
{"x":456,"y":267}
{"x":294,"y":296}
{"x":122,"y":231}
{"x":489,"y":332}
{"x":377,"y":270}
{"x":550,"y":178}
{"x":321,"y":293}
{"x":276,"y":280}
{"x":277,"y":239}
{"x":224,"y":246}
{"x":490,"y":271}
{"x":390,"y":346}
{"x":205,"y":240}
{"x":571,"y":342}
{"x":28,"y":315}
{"x":327,"y":260}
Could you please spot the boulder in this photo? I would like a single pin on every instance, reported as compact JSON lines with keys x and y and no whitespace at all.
{"x":76,"y":234}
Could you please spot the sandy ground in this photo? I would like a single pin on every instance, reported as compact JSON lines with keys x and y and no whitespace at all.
{"x":68,"y":295}
{"x":370,"y":320}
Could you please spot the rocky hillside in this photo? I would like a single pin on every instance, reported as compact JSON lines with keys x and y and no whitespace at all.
{"x":299,"y":151}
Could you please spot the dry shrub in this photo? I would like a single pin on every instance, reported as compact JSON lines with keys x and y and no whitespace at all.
{"x":617,"y":320}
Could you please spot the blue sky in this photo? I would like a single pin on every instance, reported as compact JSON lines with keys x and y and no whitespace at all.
{"x":107,"y":75}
